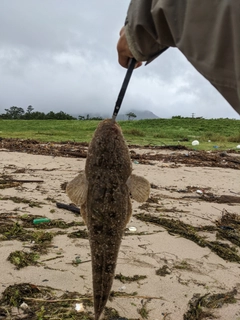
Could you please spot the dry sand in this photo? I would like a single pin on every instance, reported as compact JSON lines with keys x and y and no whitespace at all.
{"x":142,"y":252}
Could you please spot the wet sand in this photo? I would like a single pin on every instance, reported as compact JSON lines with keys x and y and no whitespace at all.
{"x":183,"y":192}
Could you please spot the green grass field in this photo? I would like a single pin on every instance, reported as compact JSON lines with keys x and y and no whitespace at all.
{"x":211,"y":133}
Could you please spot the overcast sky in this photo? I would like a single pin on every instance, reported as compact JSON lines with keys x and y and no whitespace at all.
{"x":60,"y":55}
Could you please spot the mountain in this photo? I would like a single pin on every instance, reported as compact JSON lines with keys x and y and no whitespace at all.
{"x":146,"y":114}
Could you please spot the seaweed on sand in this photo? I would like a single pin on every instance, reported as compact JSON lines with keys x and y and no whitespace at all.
{"x":14,"y":231}
{"x":14,"y":295}
{"x":200,"y":307}
{"x":23,"y":259}
{"x":111,"y":313}
{"x":5,"y":184}
{"x":189,"y":232}
{"x":229,"y":227}
{"x":83,"y":234}
{"x":31,"y":203}
{"x":163,"y":271}
{"x":27,"y":222}
{"x":143,"y":311}
{"x":183,"y":265}
{"x":38,"y":302}
{"x":125,"y":279}
{"x":17,"y":232}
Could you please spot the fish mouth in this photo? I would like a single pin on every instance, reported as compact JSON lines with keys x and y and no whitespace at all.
{"x":109,"y":127}
{"x":110,"y":122}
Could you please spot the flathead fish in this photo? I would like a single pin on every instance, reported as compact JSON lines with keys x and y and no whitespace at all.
{"x":103,"y":192}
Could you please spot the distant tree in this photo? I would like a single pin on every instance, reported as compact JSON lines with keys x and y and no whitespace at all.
{"x":177,"y":117}
{"x":29,"y":109}
{"x":96,"y":118}
{"x":14,"y":113}
{"x":38,"y":115}
{"x":81,"y":117}
{"x":28,"y":113}
{"x":50,"y":115}
{"x":60,"y":115}
{"x":87,"y":117}
{"x":131,"y":115}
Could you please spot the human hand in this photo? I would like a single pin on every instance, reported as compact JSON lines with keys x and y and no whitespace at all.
{"x":124,"y":54}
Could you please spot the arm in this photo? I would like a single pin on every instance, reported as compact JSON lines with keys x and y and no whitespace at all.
{"x":139,"y":37}
{"x":206,"y":32}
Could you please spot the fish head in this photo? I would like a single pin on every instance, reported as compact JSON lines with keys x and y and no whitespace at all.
{"x":108,"y":151}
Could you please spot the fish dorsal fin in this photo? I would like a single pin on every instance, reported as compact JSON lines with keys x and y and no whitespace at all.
{"x":77,"y":189}
{"x":139,"y":187}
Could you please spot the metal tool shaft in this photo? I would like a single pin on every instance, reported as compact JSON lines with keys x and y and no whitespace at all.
{"x":123,"y":88}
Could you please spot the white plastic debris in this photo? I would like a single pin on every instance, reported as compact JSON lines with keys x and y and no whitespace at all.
{"x":122,"y":288}
{"x":24,"y":306}
{"x":195,"y":143}
{"x":132,"y":229}
{"x":199,"y":191}
{"x":79,"y":307}
{"x":209,"y":140}
{"x":238,"y":147}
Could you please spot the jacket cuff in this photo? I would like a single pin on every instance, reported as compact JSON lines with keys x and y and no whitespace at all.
{"x":135,"y":50}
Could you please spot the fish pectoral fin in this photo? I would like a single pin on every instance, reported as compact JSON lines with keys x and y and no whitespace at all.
{"x":139,"y":187}
{"x":77,"y":189}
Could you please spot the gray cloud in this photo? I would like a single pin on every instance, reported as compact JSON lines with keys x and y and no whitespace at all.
{"x":61,"y":55}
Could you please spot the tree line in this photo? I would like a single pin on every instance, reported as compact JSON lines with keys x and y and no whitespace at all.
{"x":17,"y":113}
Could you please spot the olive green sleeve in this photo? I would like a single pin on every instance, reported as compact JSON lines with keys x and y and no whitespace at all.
{"x":207,"y":32}
{"x":146,"y":37}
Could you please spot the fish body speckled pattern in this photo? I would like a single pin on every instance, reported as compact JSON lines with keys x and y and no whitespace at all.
{"x":103,"y":193}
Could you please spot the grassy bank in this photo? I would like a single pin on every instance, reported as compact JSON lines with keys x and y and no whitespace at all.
{"x":211,"y":133}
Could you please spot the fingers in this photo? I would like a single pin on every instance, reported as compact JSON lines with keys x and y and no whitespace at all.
{"x":124,"y":54}
{"x":122,"y":31}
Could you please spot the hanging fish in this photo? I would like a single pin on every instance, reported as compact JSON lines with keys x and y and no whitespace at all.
{"x":103,"y":192}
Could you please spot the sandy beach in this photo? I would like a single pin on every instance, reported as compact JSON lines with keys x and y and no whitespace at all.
{"x":172,"y":268}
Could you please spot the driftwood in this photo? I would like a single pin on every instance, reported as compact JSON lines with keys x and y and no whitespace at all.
{"x":68,"y":207}
{"x":9,"y":179}
{"x":26,"y":181}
